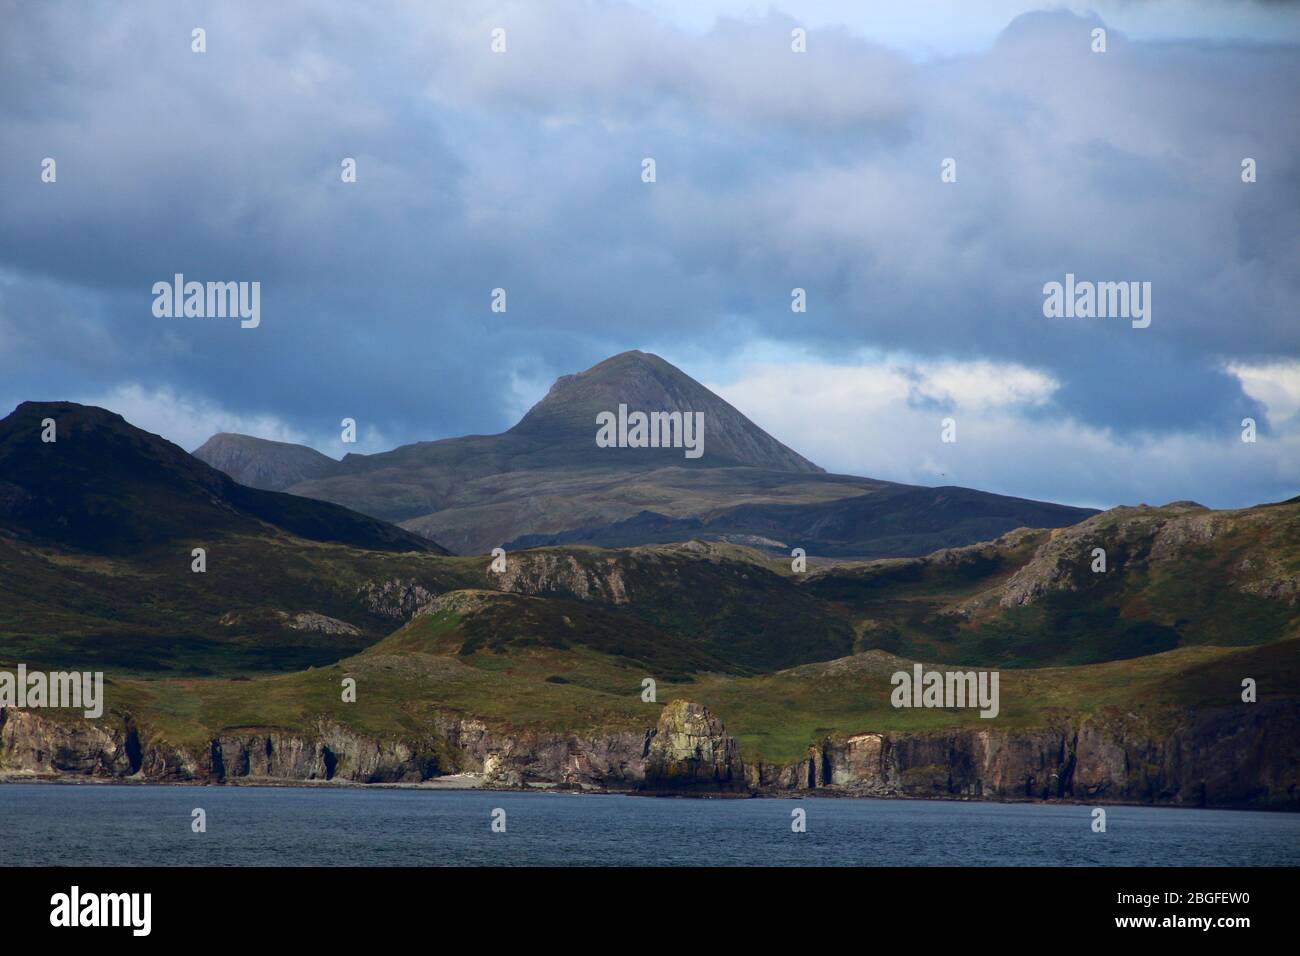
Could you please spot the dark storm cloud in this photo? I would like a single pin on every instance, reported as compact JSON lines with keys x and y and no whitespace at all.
{"x":522,"y":171}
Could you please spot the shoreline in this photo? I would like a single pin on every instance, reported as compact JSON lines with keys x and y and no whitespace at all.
{"x":472,"y":782}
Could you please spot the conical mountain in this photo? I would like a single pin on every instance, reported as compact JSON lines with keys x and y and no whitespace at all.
{"x":643,"y":382}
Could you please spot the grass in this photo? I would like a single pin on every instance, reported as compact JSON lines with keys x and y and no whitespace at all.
{"x":764,"y":649}
{"x":151,"y":614}
{"x":776,"y":716}
{"x":404,"y":685}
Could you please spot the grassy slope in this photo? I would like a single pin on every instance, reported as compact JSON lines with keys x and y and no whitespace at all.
{"x":435,"y":663}
{"x":774,"y":716}
{"x":735,"y":603}
{"x":152,"y":614}
{"x":1142,"y":606}
{"x":557,"y":664}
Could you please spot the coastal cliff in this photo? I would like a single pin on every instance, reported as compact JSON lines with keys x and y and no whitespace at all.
{"x":1229,"y":758}
{"x":1242,"y":757}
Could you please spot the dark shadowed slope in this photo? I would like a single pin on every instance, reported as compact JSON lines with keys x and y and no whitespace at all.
{"x":896,"y":521}
{"x":104,"y":485}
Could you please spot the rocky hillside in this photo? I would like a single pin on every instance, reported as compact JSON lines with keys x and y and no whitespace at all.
{"x":1174,"y":576}
{"x":1248,"y":551}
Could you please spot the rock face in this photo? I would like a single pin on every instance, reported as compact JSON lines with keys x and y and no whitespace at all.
{"x":551,"y":573}
{"x":1246,"y":757}
{"x":614,"y":761}
{"x":691,"y":751}
{"x":1241,"y":757}
{"x":34,"y":744}
{"x":333,"y":752}
{"x":311,"y":621}
{"x":398,"y":600}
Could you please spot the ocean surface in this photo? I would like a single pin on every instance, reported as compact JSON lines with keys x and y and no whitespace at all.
{"x":93,"y":825}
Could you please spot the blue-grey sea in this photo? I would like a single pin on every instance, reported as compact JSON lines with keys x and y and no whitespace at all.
{"x":92,"y":825}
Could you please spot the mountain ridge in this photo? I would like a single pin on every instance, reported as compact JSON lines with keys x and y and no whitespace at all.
{"x":545,"y":480}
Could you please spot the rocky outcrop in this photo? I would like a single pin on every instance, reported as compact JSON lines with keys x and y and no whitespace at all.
{"x":613,"y":761}
{"x":690,"y":750}
{"x":394,"y":599}
{"x":1267,"y":577}
{"x":318,"y":623}
{"x":1063,"y":562}
{"x":462,"y":602}
{"x":34,"y":744}
{"x":311,"y":621}
{"x":331,"y":753}
{"x":561,"y":573}
{"x":1233,"y":757}
{"x":15,"y":502}
{"x":1144,"y":537}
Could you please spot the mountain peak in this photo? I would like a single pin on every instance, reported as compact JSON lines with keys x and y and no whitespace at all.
{"x":644,"y":382}
{"x":262,"y":463}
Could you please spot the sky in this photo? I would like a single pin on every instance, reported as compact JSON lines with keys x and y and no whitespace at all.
{"x":522,"y":170}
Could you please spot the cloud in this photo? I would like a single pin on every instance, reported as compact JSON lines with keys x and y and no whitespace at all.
{"x":1275,"y":385}
{"x":623,"y":66}
{"x":187,"y":421}
{"x":859,"y":416}
{"x":776,"y":170}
